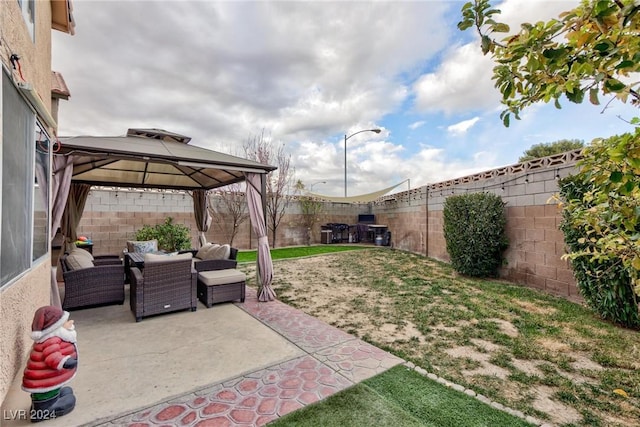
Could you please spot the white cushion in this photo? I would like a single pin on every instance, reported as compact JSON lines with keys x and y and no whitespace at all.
{"x":221,"y":277}
{"x":220,"y":252}
{"x":202,"y":252}
{"x":155,"y":258}
{"x":77,"y":259}
{"x":82,"y":253}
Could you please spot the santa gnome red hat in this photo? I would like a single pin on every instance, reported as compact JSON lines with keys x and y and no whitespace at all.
{"x":46,"y":320}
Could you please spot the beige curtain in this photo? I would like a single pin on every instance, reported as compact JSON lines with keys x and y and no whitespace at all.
{"x":61,"y":181}
{"x":74,"y":208}
{"x":202,"y":215}
{"x":256,"y":192}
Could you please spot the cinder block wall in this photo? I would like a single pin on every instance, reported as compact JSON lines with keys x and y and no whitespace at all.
{"x":406,"y":215}
{"x":111,"y":217}
{"x":414,"y":218}
{"x":534,"y":256}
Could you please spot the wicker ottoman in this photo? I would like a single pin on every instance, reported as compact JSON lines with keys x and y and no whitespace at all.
{"x":221,"y":286}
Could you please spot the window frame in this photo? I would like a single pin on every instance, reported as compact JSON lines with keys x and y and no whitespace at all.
{"x":25,"y":133}
{"x":28,"y":9}
{"x":41,"y":198}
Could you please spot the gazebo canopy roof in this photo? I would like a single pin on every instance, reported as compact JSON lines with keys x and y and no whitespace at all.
{"x":153,"y":158}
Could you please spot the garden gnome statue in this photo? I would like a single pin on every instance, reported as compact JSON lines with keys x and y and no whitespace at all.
{"x":52,"y":364}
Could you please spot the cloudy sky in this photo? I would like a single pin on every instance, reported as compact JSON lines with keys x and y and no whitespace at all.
{"x":307,"y":74}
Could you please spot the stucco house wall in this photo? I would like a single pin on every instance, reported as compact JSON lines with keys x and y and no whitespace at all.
{"x":20,"y":298}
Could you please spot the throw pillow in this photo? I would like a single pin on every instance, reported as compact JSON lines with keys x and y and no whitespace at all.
{"x":77,"y":260}
{"x":155,"y":258}
{"x":81,"y":252}
{"x":202,"y":252}
{"x":142,"y":246}
{"x":221,"y":252}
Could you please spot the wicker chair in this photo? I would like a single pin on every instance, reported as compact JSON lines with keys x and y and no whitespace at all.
{"x":163,"y":287}
{"x":102,"y":284}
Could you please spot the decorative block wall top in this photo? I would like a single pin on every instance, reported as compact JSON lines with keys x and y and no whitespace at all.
{"x":563,"y":159}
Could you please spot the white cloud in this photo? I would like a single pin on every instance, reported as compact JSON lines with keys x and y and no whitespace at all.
{"x":461,"y":83}
{"x":221,"y":70}
{"x":416,"y":125}
{"x":306,"y":73}
{"x":462,"y":127}
{"x":515,"y":12}
{"x":463,"y":80}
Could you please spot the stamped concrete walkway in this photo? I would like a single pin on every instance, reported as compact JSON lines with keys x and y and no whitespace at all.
{"x":332,"y":361}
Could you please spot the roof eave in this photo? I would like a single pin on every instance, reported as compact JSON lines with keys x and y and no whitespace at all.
{"x":62,"y":16}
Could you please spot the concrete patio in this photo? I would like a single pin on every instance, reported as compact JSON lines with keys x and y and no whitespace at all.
{"x":233,"y":364}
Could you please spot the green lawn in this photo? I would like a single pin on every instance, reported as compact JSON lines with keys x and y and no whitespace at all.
{"x":547,"y":357}
{"x":298,"y":251}
{"x":399,"y":397}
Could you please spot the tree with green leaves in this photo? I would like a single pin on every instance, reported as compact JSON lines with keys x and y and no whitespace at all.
{"x":171,"y":237}
{"x":474,"y":231}
{"x":588,"y":52}
{"x":545,"y":149}
{"x":609,"y":213}
{"x":604,"y":281}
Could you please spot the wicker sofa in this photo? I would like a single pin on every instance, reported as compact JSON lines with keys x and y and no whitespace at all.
{"x":167,"y":284}
{"x":233,"y":253}
{"x":91,"y":281}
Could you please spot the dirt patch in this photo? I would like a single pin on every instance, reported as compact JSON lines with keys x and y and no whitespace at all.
{"x":452,"y":329}
{"x":485,"y":369}
{"x":506,"y":328}
{"x":389,"y":332}
{"x":486,"y":346}
{"x":582,"y":362}
{"x":529,"y":367}
{"x":554,"y":346}
{"x":332,"y":300}
{"x":560,"y":413}
{"x":533,"y":308}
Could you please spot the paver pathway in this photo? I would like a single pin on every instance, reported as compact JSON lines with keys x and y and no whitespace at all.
{"x":334,"y":361}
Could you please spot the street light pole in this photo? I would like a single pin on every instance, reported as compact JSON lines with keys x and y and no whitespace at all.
{"x":319,"y":182}
{"x":345,"y":153}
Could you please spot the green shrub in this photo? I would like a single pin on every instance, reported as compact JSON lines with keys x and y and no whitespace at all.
{"x":474,"y":229}
{"x":171,"y":237}
{"x":605,"y":284}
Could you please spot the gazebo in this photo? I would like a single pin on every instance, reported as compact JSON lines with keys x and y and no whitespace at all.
{"x":154,"y":158}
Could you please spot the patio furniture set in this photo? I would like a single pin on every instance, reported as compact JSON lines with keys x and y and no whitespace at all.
{"x":158,"y":282}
